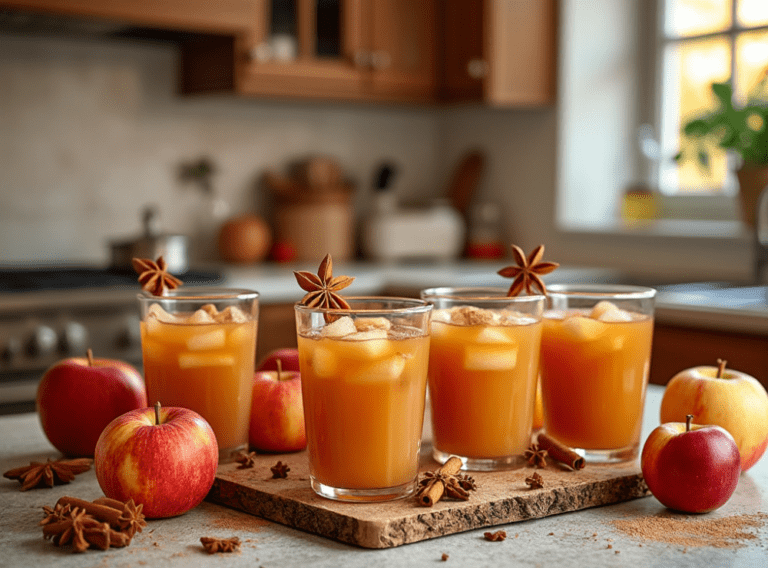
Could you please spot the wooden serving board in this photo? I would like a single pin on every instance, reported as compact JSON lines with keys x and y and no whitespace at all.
{"x":501,"y":498}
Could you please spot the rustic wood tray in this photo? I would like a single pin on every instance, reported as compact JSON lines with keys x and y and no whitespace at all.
{"x":501,"y":498}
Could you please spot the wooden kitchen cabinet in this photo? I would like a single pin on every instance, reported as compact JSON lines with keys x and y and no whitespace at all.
{"x":499,"y":52}
{"x":222,"y":16}
{"x":676,"y":348}
{"x":331,"y":49}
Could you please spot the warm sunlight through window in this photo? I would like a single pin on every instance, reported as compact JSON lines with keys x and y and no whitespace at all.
{"x":706,"y":41}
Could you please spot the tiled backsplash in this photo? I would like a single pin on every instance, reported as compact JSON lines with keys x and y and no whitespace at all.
{"x":91,"y":131}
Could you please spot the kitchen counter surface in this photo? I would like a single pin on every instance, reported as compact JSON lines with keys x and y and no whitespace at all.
{"x":709,"y":305}
{"x":584,"y":538}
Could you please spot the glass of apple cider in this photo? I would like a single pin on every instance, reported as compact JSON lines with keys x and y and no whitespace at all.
{"x":483,"y":372}
{"x":595,"y":359}
{"x":363,"y":377}
{"x":199,"y":349}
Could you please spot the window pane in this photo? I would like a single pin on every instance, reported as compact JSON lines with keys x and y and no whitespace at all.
{"x":689,"y":70}
{"x":693,"y":17}
{"x":752,"y":12}
{"x":751,"y":63}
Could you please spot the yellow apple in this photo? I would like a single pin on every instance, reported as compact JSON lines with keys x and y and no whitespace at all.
{"x":723,"y":397}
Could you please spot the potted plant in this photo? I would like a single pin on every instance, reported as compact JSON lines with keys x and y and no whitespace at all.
{"x":743,"y":131}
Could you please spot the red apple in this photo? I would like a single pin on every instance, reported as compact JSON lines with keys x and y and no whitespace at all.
{"x":79,"y":396}
{"x":277,"y":412}
{"x":726,"y":398}
{"x":691,"y":468}
{"x":288,"y":357}
{"x":162,"y":458}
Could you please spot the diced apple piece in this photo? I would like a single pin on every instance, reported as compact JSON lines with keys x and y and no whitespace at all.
{"x":240,"y":334}
{"x":616,"y":316}
{"x":339,"y":328}
{"x":602,"y":307}
{"x":493,"y":335}
{"x":490,"y":358}
{"x":366,"y":335}
{"x":191,"y":360}
{"x":215,"y":339}
{"x":157,"y":312}
{"x":231,"y":314}
{"x":583,"y":328}
{"x":368,"y":324}
{"x":387,"y":369}
{"x":441,"y":315}
{"x":369,"y":349}
{"x":439,"y":329}
{"x":201,"y":317}
{"x":323,"y":362}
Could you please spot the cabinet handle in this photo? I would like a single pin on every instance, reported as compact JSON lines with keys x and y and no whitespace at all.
{"x":362,"y":58}
{"x":477,"y":68}
{"x":380,"y":60}
{"x":261,"y":53}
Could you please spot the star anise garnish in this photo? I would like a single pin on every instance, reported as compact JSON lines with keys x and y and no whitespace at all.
{"x":246,"y":459}
{"x":80,"y":529}
{"x":527,"y":274}
{"x":280,"y":470}
{"x":535,"y":481}
{"x":536,"y":456}
{"x":495,"y":536}
{"x":446,"y":480}
{"x":214,"y":545}
{"x":132,"y":519}
{"x":322,"y":288}
{"x":154,"y":276}
{"x":53,"y":472}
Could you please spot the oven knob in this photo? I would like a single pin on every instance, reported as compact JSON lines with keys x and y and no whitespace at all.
{"x":74,"y":338}
{"x":42,"y":342}
{"x":10,"y":350}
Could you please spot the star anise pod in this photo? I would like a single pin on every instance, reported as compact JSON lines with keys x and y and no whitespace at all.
{"x":214,"y":545}
{"x":535,"y":481}
{"x":53,"y":472}
{"x":246,"y":459}
{"x":56,"y":514}
{"x":132,"y":519}
{"x":527,"y":274}
{"x":78,"y":529}
{"x":280,"y":470}
{"x":536,"y":456}
{"x":455,"y":486}
{"x":466,"y":482}
{"x":495,"y":536}
{"x":322,"y":288}
{"x":154,"y":276}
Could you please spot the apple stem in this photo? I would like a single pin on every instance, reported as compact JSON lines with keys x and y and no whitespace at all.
{"x":279,"y":369}
{"x":721,"y":363}
{"x":89,"y":354}
{"x":688,"y":420}
{"x":157,"y":413}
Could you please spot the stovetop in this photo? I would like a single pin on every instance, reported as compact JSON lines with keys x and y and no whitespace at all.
{"x":75,"y":278}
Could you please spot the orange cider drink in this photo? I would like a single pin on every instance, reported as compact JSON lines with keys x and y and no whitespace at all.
{"x":483,"y":373}
{"x":595,"y":359}
{"x":363,"y":381}
{"x":199,"y":353}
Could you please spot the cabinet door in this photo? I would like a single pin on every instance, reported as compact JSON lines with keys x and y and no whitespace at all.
{"x":222,"y":16}
{"x":302,"y":48}
{"x":401,"y":44}
{"x":520,"y":47}
{"x":501,"y":52}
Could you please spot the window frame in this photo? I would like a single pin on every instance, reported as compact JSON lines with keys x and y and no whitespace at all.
{"x":712,"y":202}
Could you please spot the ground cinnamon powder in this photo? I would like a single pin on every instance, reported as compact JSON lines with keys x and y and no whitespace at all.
{"x":690,"y":531}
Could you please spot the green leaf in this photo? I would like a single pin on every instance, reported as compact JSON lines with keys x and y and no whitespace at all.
{"x":697,"y":127}
{"x":724,"y":94}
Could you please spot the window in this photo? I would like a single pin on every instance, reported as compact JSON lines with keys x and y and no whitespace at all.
{"x":705,"y":41}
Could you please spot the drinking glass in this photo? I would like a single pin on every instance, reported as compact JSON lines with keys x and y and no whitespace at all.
{"x":363,"y":375}
{"x":199,"y":350}
{"x":483,"y":371}
{"x":595,"y":359}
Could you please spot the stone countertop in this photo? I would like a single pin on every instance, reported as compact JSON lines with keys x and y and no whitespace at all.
{"x":584,"y":538}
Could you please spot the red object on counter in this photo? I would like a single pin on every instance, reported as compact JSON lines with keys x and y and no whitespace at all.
{"x":485,"y":250}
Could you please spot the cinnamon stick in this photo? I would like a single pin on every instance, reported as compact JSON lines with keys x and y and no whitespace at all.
{"x":101,"y":512}
{"x":560,"y":452}
{"x":435,"y":492}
